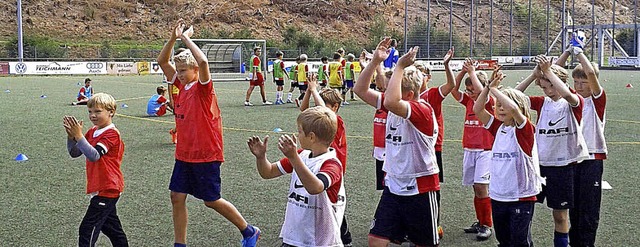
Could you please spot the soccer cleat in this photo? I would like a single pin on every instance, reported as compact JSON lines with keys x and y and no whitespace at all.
{"x":174,"y":136}
{"x":266,"y":102}
{"x":279,"y":102}
{"x":297,"y":102}
{"x":484,"y":232}
{"x":473,"y":228}
{"x":345,"y":103}
{"x":440,"y":232}
{"x":247,"y":103}
{"x":289,"y":101}
{"x":251,"y":241}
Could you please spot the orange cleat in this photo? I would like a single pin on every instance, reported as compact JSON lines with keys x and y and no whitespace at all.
{"x":174,"y":136}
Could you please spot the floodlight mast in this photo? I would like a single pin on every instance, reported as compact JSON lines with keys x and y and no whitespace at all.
{"x":20,"y":46}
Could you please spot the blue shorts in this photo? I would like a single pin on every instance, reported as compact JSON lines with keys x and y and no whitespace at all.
{"x":201,"y":180}
{"x":413,"y":216}
{"x":559,"y":188}
{"x":348,"y":83}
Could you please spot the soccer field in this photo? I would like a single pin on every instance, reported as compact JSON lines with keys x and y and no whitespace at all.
{"x":43,"y":199}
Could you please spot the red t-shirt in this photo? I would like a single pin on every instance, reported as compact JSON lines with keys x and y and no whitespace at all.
{"x":104,"y":175}
{"x":330,"y":167}
{"x":199,"y":123}
{"x":475,"y":136}
{"x":163,"y":107}
{"x":434,"y":98}
{"x":340,"y":143}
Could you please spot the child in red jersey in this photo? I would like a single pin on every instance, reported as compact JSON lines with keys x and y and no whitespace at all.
{"x":199,"y":151}
{"x":331,"y":98}
{"x":477,"y":143}
{"x":515,"y":171}
{"x":103,"y":149}
{"x":316,"y":197}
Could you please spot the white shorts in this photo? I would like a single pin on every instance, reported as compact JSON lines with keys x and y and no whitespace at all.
{"x":475,"y":167}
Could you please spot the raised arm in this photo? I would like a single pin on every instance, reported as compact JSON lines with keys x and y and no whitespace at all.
{"x":507,"y":104}
{"x":312,"y":90}
{"x":562,"y":59}
{"x":368,"y":95}
{"x":478,"y":107}
{"x":165,"y":54}
{"x":455,"y":92}
{"x":201,"y":59}
{"x":258,"y":148}
{"x":450,"y":84}
{"x":523,"y":85}
{"x":393,"y":96}
{"x":545,"y":66}
{"x":470,"y":66}
{"x":592,"y":77}
{"x":311,"y":183}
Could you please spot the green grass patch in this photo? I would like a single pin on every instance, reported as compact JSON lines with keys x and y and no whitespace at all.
{"x":43,"y":198}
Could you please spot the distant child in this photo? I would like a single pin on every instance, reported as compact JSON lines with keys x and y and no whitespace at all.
{"x":172,"y":104}
{"x":585,"y":215}
{"x":199,"y":151}
{"x":408,"y":205}
{"x":323,"y":72}
{"x":434,"y":96}
{"x":278,"y":76}
{"x":560,"y":142}
{"x":103,"y":148}
{"x":302,"y":73}
{"x":158,"y":105}
{"x":349,"y":76}
{"x":331,"y":98}
{"x":391,"y":61}
{"x":294,"y":79}
{"x":374,"y":98}
{"x":335,"y":72}
{"x":514,"y":169}
{"x":316,"y":196}
{"x":84,"y":94}
{"x":257,"y":78}
{"x":477,"y":143}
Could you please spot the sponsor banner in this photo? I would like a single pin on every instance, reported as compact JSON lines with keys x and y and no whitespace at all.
{"x":57,"y":68}
{"x":155,"y":68}
{"x":624,"y":61}
{"x":439,"y":65}
{"x":4,"y":68}
{"x":487,"y":64}
{"x":508,"y":60}
{"x":120,"y":68}
{"x":143,"y":68}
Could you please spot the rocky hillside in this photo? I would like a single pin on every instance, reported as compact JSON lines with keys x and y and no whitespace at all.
{"x":149,"y":21}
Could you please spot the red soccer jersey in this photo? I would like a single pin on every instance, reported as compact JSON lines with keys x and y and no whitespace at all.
{"x":163,"y":107}
{"x":104,"y":175}
{"x":330,"y":167}
{"x":380,"y":124}
{"x":434,"y":98}
{"x":475,"y":136}
{"x":340,"y":144}
{"x":199,"y":123}
{"x":256,"y":63}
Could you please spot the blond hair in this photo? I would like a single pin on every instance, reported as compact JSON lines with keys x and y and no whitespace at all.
{"x":578,"y":71}
{"x":559,"y":71}
{"x":521,"y":100}
{"x":321,"y":121}
{"x":330,"y":96}
{"x":412,"y":81}
{"x":423,"y":67}
{"x":186,"y":57}
{"x":482,"y":77}
{"x":104,"y":101}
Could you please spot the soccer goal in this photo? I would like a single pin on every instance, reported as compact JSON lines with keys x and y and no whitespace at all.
{"x":228,"y":58}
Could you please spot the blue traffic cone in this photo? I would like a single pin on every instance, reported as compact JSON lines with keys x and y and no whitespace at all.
{"x":43,"y":96}
{"x":277,"y":130}
{"x":21,"y":157}
{"x":124,"y":106}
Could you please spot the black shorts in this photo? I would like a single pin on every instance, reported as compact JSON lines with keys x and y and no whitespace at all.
{"x":413,"y":216}
{"x":303,"y":87}
{"x":439,"y":160}
{"x":559,"y":188}
{"x":294,"y":84}
{"x":379,"y":174}
{"x":279,"y":82}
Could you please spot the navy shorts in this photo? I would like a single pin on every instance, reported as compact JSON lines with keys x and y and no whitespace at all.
{"x":413,"y":216}
{"x":279,"y":82}
{"x":348,"y":83}
{"x":294,"y":84}
{"x":559,"y":188}
{"x":303,"y":87}
{"x":201,"y":180}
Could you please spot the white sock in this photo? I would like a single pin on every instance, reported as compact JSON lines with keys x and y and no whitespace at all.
{"x":289,"y":96}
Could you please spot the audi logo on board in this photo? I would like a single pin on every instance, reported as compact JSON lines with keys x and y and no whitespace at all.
{"x":95,"y":65}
